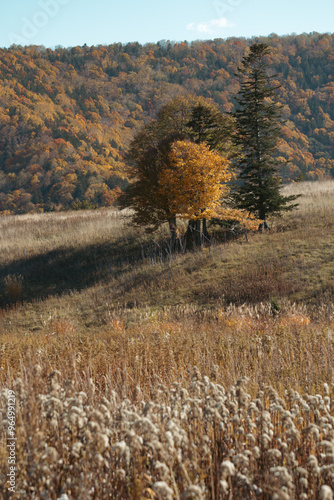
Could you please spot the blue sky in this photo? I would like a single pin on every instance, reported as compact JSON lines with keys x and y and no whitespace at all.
{"x":76,"y":22}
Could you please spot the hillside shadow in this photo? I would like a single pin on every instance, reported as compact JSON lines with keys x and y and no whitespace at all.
{"x":59,"y":271}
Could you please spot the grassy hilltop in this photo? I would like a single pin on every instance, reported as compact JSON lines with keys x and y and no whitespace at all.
{"x":145,"y":371}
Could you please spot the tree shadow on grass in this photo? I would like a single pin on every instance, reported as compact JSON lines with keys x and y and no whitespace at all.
{"x":59,"y":271}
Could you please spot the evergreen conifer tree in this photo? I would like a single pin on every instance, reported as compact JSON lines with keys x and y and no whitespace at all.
{"x":258,"y":126}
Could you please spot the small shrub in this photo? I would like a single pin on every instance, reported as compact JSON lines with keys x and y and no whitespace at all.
{"x":274,"y":306}
{"x":84,"y":205}
{"x":13,"y":284}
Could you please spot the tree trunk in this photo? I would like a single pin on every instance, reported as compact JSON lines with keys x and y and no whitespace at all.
{"x":263,"y":225}
{"x":189,"y":236}
{"x":206,"y":236}
{"x":198,"y":233}
{"x":193,"y":236}
{"x":173,"y":232}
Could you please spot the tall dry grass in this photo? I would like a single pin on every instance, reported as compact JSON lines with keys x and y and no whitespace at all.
{"x":236,"y":405}
{"x":24,"y":236}
{"x":231,"y":404}
{"x":139,"y":374}
{"x":142,"y":343}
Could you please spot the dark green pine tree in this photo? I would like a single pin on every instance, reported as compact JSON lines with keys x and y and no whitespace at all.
{"x":258,"y":127}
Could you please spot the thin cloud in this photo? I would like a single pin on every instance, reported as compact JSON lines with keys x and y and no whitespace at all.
{"x":210,"y":26}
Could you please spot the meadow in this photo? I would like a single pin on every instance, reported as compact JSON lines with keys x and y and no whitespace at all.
{"x":139,"y":374}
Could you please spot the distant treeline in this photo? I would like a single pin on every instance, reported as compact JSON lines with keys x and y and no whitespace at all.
{"x":67,"y":116}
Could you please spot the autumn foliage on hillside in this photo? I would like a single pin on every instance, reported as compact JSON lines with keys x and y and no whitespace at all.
{"x":67,"y":116}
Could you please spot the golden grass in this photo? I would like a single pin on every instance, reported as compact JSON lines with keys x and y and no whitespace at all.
{"x":231,"y":405}
{"x":28,"y":235}
{"x":101,"y":355}
{"x":144,"y":344}
{"x":310,"y":189}
{"x":84,"y":250}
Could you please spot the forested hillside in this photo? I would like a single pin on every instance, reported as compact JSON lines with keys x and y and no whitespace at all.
{"x":67,"y":116}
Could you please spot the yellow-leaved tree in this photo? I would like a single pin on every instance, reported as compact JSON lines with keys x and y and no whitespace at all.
{"x":178,"y":167}
{"x":194,"y":180}
{"x":195,"y":184}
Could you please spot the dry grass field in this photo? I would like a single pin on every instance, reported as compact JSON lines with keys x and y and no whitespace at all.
{"x":143,"y":375}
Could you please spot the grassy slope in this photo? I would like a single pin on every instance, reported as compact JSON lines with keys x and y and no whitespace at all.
{"x":94,"y":285}
{"x":91,"y":263}
{"x":94,"y":309}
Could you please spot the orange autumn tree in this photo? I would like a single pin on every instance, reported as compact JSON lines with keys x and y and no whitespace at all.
{"x":195,"y":180}
{"x":176,"y":173}
{"x":195,"y":183}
